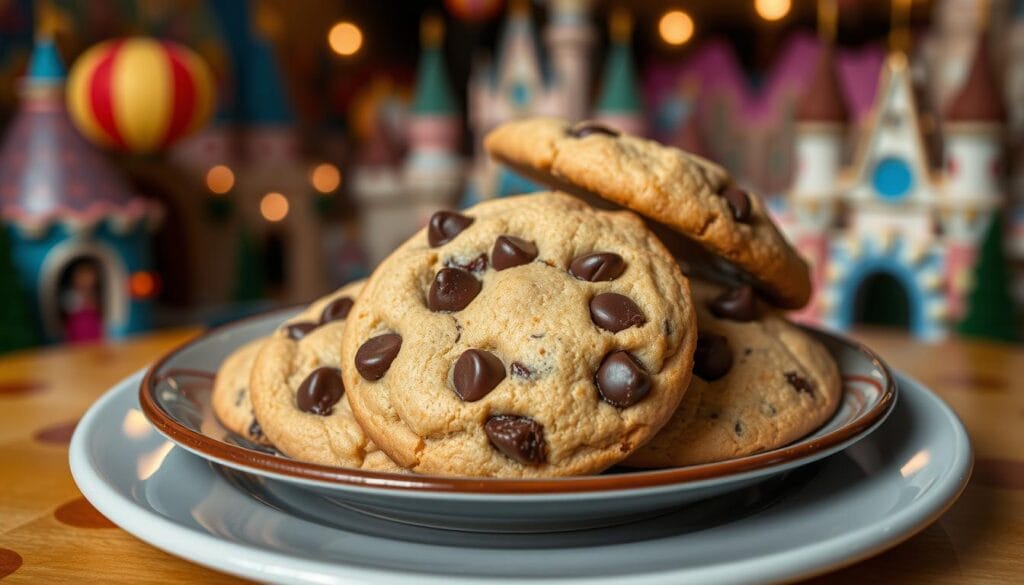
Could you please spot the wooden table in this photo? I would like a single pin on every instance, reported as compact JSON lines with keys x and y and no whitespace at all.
{"x":49,"y":533}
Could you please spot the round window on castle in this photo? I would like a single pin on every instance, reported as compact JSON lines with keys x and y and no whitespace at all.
{"x":892,"y":178}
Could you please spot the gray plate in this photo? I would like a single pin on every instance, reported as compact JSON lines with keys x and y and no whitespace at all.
{"x":175,"y":396}
{"x":868,"y":498}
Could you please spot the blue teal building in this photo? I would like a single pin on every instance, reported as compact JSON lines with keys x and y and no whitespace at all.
{"x":63,"y":205}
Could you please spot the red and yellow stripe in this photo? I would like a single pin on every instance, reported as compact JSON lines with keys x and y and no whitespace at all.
{"x":139,"y":94}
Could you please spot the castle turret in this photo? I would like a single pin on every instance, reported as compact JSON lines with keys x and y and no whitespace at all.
{"x":821,"y":119}
{"x":432,"y":171}
{"x":619,"y":104}
{"x":570,"y":40}
{"x":973,"y":131}
{"x":520,"y":80}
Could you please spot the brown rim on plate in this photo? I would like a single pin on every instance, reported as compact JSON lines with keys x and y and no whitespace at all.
{"x":267,"y":462}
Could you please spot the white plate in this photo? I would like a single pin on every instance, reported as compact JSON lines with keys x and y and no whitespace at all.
{"x":847,"y":507}
{"x":175,"y":397}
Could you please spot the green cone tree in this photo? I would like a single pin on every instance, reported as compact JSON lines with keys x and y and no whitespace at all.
{"x":990,"y":308}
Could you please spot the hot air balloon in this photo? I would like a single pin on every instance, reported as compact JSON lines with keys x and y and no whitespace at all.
{"x":139,"y":94}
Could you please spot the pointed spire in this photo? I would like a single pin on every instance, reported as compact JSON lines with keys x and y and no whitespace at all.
{"x":45,"y":67}
{"x":619,"y":88}
{"x":433,"y":89}
{"x":979,"y":98}
{"x":823,"y":101}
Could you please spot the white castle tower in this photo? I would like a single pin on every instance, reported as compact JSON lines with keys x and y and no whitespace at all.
{"x":821,"y":119}
{"x":432,"y":173}
{"x":973,"y":159}
{"x":570,"y":40}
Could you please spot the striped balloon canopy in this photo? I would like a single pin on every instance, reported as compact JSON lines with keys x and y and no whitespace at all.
{"x":138,"y":94}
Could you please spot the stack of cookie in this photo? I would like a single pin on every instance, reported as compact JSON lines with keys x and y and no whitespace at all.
{"x":547,"y":335}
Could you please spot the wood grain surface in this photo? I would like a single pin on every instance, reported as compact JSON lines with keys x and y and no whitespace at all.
{"x":50,"y":534}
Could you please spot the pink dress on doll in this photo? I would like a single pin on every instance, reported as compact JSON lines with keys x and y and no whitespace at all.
{"x":84,"y":320}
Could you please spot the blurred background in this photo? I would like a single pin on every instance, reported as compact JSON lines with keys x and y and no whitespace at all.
{"x":170,"y":163}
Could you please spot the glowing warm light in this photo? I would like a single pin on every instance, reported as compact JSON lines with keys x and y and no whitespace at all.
{"x":274,"y":207}
{"x":675,"y":27}
{"x":325,"y":177}
{"x":345,"y":38}
{"x":772,"y":9}
{"x":915,"y":463}
{"x":135,"y":424}
{"x":150,"y":462}
{"x":220,"y":179}
{"x":142,"y":285}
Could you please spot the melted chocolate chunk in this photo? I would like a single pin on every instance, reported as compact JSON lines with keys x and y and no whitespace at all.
{"x":587,"y":127}
{"x":713,"y":357}
{"x":444,"y":226}
{"x":615,"y":312}
{"x":299,"y":330}
{"x":621,"y":380}
{"x":255,"y":430}
{"x":739,"y":203}
{"x":738,"y":304}
{"x":476,"y":373}
{"x":337,"y":309}
{"x":374,"y":357}
{"x":519,"y":437}
{"x":452,"y":290}
{"x":519,"y":370}
{"x":597,"y":267}
{"x":511,"y":251}
{"x":799,"y":383}
{"x":320,"y":391}
{"x":478,"y":264}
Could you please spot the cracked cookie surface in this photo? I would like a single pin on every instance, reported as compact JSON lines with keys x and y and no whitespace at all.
{"x":298,"y":394}
{"x":759,"y":383}
{"x":690,"y":195}
{"x":530,"y":336}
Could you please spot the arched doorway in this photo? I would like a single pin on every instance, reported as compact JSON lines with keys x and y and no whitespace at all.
{"x":76,"y":273}
{"x":882,"y":300}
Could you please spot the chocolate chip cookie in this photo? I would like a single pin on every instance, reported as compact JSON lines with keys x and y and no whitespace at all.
{"x":759,"y":383}
{"x":231,"y":401}
{"x":526,"y":337}
{"x":298,"y":394}
{"x":691,"y":195}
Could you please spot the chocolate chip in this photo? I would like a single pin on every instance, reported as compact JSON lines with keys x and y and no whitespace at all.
{"x":621,"y":380}
{"x":476,"y":373}
{"x":299,"y":330}
{"x":452,"y":290}
{"x":511,"y":251}
{"x":799,"y":383}
{"x":519,"y":370}
{"x":519,"y":437}
{"x":478,"y":264}
{"x":713,"y":357}
{"x":587,"y":127}
{"x":596,"y":267}
{"x":255,"y":430}
{"x":444,"y":226}
{"x":320,"y":391}
{"x":738,"y":304}
{"x":738,"y":429}
{"x":615,"y":312}
{"x":374,"y":357}
{"x":337,"y":309}
{"x":739,"y":203}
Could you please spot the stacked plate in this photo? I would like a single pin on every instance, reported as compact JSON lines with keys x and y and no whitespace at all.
{"x":880,"y":470}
